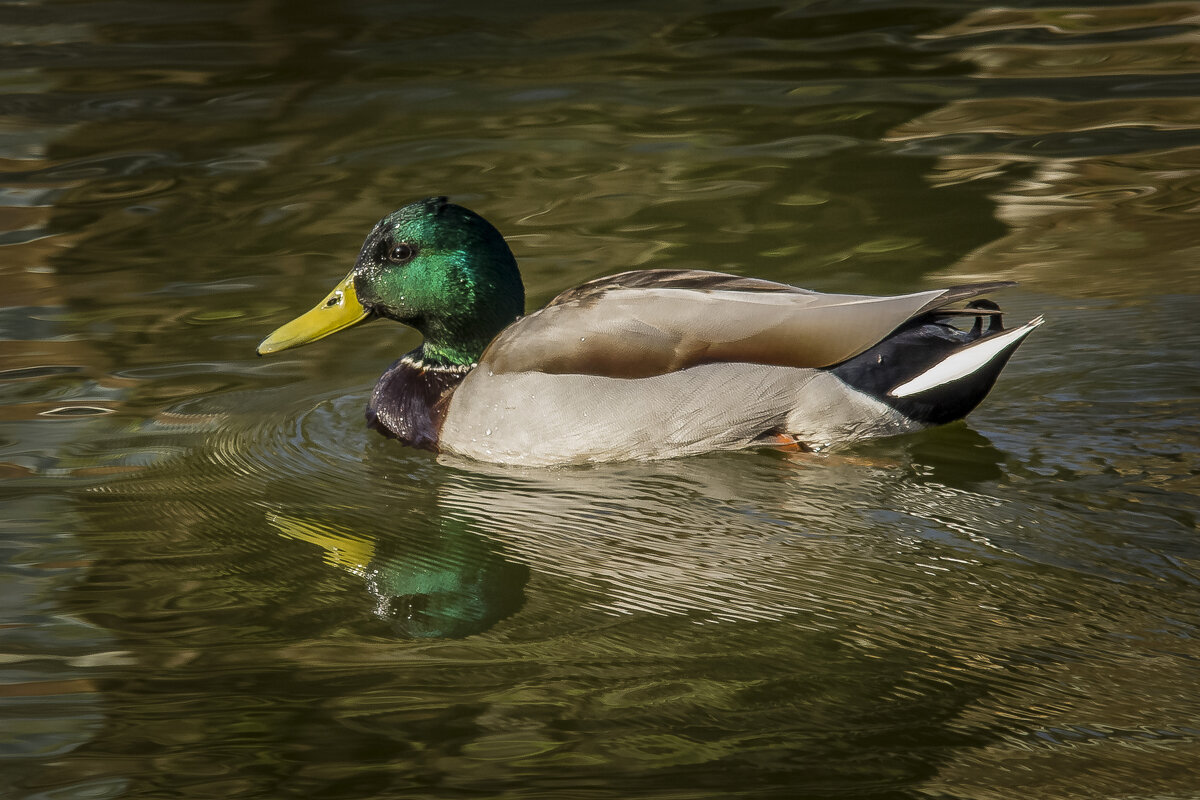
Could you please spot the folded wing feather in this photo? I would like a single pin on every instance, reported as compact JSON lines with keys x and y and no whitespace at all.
{"x":651,"y":322}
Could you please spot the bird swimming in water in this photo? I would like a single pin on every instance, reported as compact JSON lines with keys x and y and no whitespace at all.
{"x":646,"y":364}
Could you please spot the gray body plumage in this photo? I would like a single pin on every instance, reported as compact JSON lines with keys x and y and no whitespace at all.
{"x":539,"y":419}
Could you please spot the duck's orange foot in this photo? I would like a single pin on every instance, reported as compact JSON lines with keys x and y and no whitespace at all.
{"x":786,"y":442}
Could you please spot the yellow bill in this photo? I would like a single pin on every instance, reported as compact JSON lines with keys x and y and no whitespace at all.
{"x":340,"y":309}
{"x":343,"y":547}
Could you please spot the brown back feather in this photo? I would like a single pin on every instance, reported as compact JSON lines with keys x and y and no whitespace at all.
{"x":651,"y":322}
{"x":695,"y":279}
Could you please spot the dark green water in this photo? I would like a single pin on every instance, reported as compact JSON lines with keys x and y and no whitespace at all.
{"x":215,"y":583}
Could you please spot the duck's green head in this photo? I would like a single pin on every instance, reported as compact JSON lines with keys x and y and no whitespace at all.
{"x":435,"y":266}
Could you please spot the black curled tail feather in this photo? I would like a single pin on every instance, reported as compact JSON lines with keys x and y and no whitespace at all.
{"x":933,"y":372}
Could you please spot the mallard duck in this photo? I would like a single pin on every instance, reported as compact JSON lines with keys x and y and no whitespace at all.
{"x":645,"y":364}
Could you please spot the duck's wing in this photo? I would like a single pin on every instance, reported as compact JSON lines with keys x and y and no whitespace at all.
{"x":697,"y":279}
{"x":651,"y":322}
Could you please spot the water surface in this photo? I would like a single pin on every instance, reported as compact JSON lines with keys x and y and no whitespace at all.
{"x":217,"y":583}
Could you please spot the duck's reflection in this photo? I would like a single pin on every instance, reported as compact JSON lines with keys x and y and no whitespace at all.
{"x":664,"y":538}
{"x":444,"y":581}
{"x":955,"y":456}
{"x":454,"y":585}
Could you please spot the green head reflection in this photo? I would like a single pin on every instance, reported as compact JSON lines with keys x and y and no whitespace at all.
{"x":447,"y":583}
{"x":454,"y":586}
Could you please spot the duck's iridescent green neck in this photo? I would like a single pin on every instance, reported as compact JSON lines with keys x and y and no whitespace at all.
{"x":462,"y":323}
{"x":455,"y":355}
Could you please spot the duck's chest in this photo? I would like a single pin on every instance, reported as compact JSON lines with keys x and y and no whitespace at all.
{"x":409,"y":402}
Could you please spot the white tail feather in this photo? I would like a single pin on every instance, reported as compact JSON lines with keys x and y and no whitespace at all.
{"x":969,"y":359}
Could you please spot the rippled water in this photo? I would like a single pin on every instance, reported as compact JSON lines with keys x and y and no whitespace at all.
{"x":217,"y":583}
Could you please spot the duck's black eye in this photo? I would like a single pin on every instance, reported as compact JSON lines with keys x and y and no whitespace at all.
{"x":400,"y":253}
